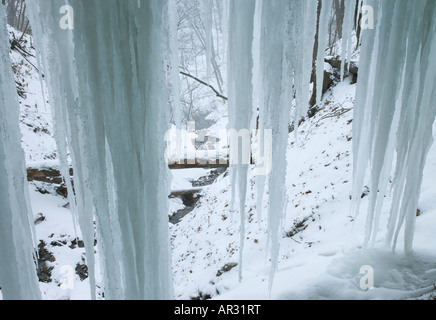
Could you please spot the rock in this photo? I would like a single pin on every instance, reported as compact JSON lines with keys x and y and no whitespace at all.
{"x":44,"y":257}
{"x":82,"y":271}
{"x":59,"y":243}
{"x":40,"y":218}
{"x":79,"y":243}
{"x":62,"y":190}
{"x":226,"y":268}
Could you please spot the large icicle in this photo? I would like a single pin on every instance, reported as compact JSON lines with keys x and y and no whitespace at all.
{"x":271,"y":69}
{"x":280,"y":27}
{"x":107,"y":79}
{"x":240,"y":67}
{"x":395,"y":111}
{"x":347,"y":29}
{"x":324,"y":17}
{"x":257,"y":109}
{"x":284,"y":26}
{"x":173,"y":65}
{"x":17,"y":235}
{"x":207,"y":19}
{"x":302,"y":37}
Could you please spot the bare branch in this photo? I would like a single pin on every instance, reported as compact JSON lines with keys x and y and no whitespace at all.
{"x":218,"y":94}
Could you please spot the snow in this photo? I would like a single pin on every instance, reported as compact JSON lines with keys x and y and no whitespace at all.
{"x":35,"y":113}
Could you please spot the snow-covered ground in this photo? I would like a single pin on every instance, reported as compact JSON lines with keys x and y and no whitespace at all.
{"x":35,"y":114}
{"x":321,"y":254}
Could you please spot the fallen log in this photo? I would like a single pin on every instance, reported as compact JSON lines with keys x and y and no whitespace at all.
{"x":199,"y":164}
{"x":52,"y":175}
{"x":47,"y":175}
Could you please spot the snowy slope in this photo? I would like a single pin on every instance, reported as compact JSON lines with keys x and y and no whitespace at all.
{"x":35,"y":114}
{"x":321,"y":252}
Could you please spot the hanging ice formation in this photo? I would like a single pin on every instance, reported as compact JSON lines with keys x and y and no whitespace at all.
{"x":349,"y":7}
{"x":394,"y":112}
{"x":270,"y":61}
{"x":207,"y":19}
{"x":107,"y":81}
{"x":18,"y":278}
{"x":240,"y":62}
{"x":173,"y":65}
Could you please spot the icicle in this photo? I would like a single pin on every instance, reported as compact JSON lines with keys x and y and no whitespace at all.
{"x":271,"y":69}
{"x":173,"y":65}
{"x":304,"y":31}
{"x":398,"y":104}
{"x":257,"y":108}
{"x":17,"y":235}
{"x":207,"y":17}
{"x":111,"y":101}
{"x":240,"y":60}
{"x":280,"y":27}
{"x":326,"y":7}
{"x":347,"y":28}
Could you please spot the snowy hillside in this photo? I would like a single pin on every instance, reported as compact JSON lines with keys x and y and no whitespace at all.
{"x":35,"y":114}
{"x":319,"y":237}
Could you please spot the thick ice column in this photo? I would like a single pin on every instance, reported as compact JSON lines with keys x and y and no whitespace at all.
{"x":108,"y":80}
{"x":17,"y":235}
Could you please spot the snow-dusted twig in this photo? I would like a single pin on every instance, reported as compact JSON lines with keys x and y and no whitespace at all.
{"x":218,"y":94}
